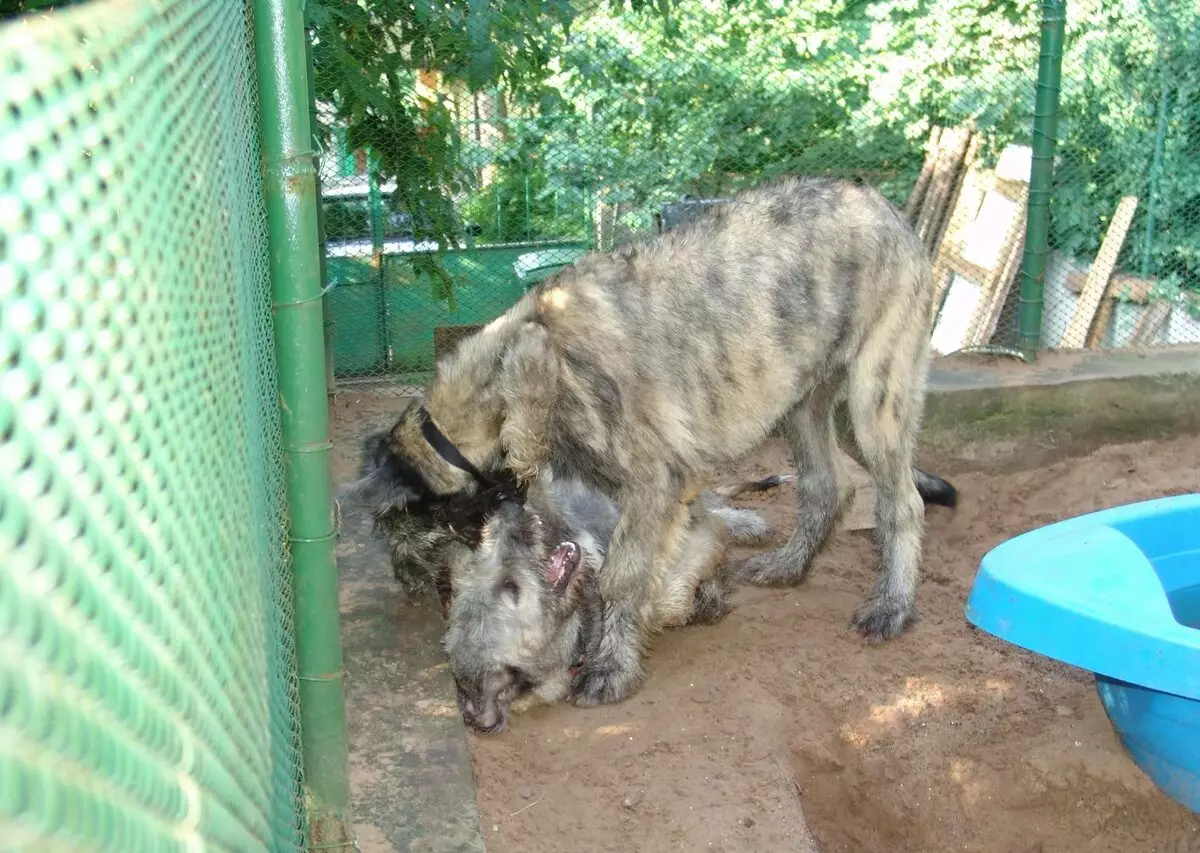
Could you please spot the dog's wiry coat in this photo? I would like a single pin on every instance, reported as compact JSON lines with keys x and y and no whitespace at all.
{"x":427,"y":534}
{"x":637,"y":371}
{"x":526,"y":601}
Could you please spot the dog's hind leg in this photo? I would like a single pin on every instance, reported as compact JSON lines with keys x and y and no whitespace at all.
{"x":933,"y":489}
{"x":822,"y":491}
{"x":887,"y":384}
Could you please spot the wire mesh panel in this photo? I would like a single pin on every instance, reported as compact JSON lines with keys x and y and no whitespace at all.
{"x":147,"y":682}
{"x":1124,"y":270}
{"x":471,"y":148}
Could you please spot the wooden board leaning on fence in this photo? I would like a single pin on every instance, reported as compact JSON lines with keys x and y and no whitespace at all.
{"x":978,"y":256}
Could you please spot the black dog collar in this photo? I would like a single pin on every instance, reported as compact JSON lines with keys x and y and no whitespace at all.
{"x":445,"y":448}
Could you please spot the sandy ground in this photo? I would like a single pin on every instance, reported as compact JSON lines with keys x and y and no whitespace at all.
{"x":780,"y":716}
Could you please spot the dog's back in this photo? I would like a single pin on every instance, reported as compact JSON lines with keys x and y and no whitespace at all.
{"x":811,"y":265}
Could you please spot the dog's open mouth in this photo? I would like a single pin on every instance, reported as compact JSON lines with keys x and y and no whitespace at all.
{"x":561,"y":565}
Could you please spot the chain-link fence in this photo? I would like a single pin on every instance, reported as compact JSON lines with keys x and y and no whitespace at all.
{"x":470,"y":149}
{"x":1124,"y":269}
{"x":148,"y":692}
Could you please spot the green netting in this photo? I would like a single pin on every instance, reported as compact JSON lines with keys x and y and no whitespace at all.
{"x":459,"y":134}
{"x":147,"y":682}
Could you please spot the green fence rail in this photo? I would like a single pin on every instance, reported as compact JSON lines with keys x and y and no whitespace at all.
{"x":151,"y":496}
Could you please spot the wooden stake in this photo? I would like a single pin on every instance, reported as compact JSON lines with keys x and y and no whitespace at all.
{"x":1149,"y":323}
{"x":1101,"y":321}
{"x":952,"y":150}
{"x":913,"y":206}
{"x":1075,"y":335}
{"x":968,"y":163}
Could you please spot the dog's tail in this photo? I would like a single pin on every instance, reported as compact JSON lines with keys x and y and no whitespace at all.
{"x":934,"y":490}
{"x":763,"y":485}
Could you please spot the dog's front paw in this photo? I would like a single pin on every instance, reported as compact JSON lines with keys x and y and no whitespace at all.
{"x":881,"y":618}
{"x":605,"y":684}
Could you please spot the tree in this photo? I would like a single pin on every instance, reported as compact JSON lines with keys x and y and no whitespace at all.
{"x":366,"y":59}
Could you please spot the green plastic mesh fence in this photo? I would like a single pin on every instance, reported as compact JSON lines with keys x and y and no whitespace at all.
{"x":147,"y":680}
{"x":470,"y":149}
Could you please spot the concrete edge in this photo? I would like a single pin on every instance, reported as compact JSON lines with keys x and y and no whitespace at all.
{"x":980,"y":414}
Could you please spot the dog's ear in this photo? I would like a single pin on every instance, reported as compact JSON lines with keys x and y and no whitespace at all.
{"x":374,"y":452}
{"x":388,"y":486}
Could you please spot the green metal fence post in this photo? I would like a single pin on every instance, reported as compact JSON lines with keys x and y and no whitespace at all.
{"x":378,"y":257}
{"x":291,"y":202}
{"x":1041,"y":179}
{"x":1160,"y":139}
{"x":326,"y":302}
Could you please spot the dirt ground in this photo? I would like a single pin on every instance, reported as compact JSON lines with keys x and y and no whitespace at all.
{"x":780,"y":717}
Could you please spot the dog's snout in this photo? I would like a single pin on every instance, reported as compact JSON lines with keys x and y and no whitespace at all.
{"x":482,"y":712}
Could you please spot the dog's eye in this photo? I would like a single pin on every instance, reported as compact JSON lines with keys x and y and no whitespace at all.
{"x":510,"y":587}
{"x":520,"y":680}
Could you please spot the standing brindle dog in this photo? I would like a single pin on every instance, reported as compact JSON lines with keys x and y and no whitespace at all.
{"x":638,"y":371}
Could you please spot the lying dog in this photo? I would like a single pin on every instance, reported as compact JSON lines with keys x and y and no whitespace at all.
{"x":526,"y":603}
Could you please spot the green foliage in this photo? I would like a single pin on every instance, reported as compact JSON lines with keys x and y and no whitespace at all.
{"x":708,"y":96}
{"x":1135,"y":73}
{"x":524,"y":205}
{"x":366,"y":56}
{"x":640,"y":103}
{"x":16,"y":8}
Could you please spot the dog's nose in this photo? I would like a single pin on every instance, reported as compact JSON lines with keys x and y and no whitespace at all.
{"x":488,"y":720}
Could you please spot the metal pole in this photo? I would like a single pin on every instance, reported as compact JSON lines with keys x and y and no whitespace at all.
{"x":295,"y":266}
{"x":1156,"y":168}
{"x":1041,"y":179}
{"x":1165,"y":65}
{"x":378,"y":258}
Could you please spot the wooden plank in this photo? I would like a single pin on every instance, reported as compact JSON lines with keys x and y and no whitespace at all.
{"x":977,"y":260}
{"x":1075,"y":335}
{"x":960,"y":265}
{"x":963,"y":297}
{"x":1149,"y":324}
{"x":1130,"y":288}
{"x":986,"y":327}
{"x":1100,"y":323}
{"x":974,"y":187}
{"x":913,"y":205}
{"x":938,"y":209}
{"x":968,"y":163}
{"x":951,"y":153}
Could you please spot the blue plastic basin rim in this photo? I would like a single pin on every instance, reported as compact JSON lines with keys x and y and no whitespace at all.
{"x":1083,"y":592}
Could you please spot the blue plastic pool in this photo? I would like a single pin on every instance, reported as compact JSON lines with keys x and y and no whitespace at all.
{"x":1116,"y":592}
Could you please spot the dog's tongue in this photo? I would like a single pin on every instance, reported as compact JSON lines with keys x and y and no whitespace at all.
{"x":561,"y":563}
